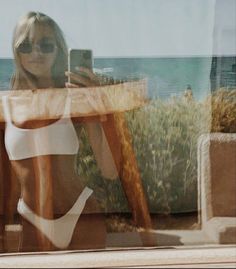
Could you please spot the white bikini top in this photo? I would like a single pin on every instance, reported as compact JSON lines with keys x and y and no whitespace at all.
{"x":58,"y":138}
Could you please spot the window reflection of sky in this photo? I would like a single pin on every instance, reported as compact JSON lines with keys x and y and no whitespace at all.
{"x":130,"y":28}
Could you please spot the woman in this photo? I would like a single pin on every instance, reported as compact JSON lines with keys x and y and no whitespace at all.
{"x":40,"y":55}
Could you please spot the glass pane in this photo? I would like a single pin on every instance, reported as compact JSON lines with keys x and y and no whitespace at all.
{"x":117,"y":124}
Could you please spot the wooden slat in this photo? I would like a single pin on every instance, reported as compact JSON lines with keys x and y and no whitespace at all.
{"x":130,"y":175}
{"x":120,"y":142}
{"x":28,"y":105}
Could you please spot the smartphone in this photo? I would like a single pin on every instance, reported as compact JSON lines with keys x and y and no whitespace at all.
{"x":79,"y":58}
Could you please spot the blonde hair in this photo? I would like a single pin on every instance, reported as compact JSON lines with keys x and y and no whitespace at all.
{"x":23,"y":79}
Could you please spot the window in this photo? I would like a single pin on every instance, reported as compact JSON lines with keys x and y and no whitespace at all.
{"x":139,"y":150}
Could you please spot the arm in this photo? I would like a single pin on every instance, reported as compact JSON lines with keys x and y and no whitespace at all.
{"x":108,"y":161}
{"x":101,"y":150}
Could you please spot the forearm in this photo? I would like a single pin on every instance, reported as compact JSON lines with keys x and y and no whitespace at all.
{"x":101,"y":150}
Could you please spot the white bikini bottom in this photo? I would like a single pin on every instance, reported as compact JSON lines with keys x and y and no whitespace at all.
{"x":58,"y":231}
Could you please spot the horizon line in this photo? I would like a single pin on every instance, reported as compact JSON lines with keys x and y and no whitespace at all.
{"x":155,"y":56}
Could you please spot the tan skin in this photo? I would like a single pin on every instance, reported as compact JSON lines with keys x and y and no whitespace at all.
{"x":38,"y":63}
{"x":65,"y":180}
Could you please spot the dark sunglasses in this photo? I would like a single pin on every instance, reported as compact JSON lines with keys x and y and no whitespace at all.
{"x":44,"y":47}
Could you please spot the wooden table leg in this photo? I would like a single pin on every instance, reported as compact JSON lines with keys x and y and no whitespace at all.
{"x":113,"y":140}
{"x":117,"y":132}
{"x":8,"y":189}
{"x":2,"y":177}
{"x":43,"y":191}
{"x":43,"y":195}
{"x":7,"y":183}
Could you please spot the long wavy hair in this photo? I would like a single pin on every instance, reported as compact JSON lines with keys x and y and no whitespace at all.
{"x":22,"y":79}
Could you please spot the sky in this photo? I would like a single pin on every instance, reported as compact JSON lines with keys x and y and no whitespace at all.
{"x":129,"y":28}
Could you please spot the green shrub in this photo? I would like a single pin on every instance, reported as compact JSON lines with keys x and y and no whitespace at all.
{"x":165,"y":137}
{"x":223,"y":107}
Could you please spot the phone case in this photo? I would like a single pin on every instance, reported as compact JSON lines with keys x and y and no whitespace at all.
{"x":80,"y":58}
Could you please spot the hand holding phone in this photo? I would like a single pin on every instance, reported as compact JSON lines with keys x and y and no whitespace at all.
{"x":80,"y":63}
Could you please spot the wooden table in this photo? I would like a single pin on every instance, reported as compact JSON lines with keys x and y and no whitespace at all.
{"x":88,"y":104}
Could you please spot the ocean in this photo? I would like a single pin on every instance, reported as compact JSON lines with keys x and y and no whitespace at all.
{"x":166,"y":76}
